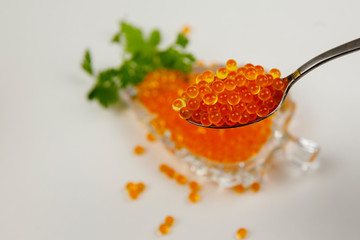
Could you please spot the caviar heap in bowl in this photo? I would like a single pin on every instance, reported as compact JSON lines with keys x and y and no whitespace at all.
{"x":231,"y":96}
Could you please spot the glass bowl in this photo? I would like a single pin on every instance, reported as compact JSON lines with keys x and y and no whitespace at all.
{"x":300,"y":151}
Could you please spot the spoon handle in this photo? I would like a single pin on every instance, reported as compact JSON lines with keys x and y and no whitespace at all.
{"x":331,"y":54}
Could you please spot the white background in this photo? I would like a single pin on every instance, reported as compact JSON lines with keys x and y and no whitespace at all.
{"x":64,"y":161}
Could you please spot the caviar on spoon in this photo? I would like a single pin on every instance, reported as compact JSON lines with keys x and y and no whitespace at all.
{"x":236,"y":97}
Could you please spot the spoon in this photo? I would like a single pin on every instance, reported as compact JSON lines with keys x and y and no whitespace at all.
{"x":313,"y":63}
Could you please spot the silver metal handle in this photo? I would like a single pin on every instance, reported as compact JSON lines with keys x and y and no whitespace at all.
{"x":329,"y":55}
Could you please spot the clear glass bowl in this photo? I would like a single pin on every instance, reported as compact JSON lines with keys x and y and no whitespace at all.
{"x":300,"y":151}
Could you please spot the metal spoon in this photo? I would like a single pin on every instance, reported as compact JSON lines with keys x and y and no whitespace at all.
{"x":313,"y":63}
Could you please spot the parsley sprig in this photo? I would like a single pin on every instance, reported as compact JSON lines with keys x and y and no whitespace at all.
{"x":141,"y":56}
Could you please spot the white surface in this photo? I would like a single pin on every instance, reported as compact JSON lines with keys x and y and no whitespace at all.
{"x":64,"y":160}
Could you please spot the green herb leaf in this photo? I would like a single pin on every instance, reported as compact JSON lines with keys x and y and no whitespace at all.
{"x":182,"y":40}
{"x":116,"y":38}
{"x":155,"y":38}
{"x":134,"y":38}
{"x":105,"y":95}
{"x":174,"y":59}
{"x":141,"y":57}
{"x":106,"y":88}
{"x":86,"y":63}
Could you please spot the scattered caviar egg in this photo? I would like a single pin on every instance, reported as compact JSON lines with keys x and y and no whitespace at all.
{"x":169,"y":220}
{"x":275,"y":73}
{"x":181,"y":179}
{"x":222,"y":97}
{"x":134,"y":194}
{"x":170,"y":173}
{"x":218,"y":86}
{"x":141,"y":186}
{"x":263,"y":111}
{"x":150,"y":137}
{"x":278,"y":84}
{"x":235,"y":116}
{"x":230,"y":84}
{"x":178,"y":104}
{"x":233,"y":98}
{"x":240,"y":80}
{"x":194,"y":197}
{"x":222,"y":73}
{"x":231,"y":65}
{"x":208,"y":76}
{"x":135,"y":189}
{"x":186,"y":29}
{"x":259,"y":69}
{"x":239,"y":188}
{"x":262,"y":80}
{"x":185,"y":113}
{"x":214,"y":117}
{"x":254,"y":88}
{"x":194,"y":186}
{"x":131,"y":186}
{"x":210,"y":98}
{"x":196,"y":115}
{"x":192,"y":91}
{"x":163,"y":168}
{"x":164,"y":228}
{"x":138,"y":150}
{"x":205,"y":120}
{"x":255,"y":186}
{"x":264,"y":94}
{"x":251,"y":108}
{"x":241,"y":233}
{"x":193,"y":104}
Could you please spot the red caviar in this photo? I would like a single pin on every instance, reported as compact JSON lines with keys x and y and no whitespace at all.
{"x":164,"y":228}
{"x":249,"y":84}
{"x":255,"y":186}
{"x":241,"y":233}
{"x":150,"y":137}
{"x":194,"y":197}
{"x":134,"y":189}
{"x":160,"y":88}
{"x":138,"y":150}
{"x":239,"y":188}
